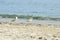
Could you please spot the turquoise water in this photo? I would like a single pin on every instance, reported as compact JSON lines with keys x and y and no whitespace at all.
{"x":49,"y":8}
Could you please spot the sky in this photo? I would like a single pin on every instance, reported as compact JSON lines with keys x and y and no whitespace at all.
{"x":30,"y":6}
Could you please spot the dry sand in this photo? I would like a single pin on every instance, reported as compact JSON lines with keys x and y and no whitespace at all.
{"x":20,"y":31}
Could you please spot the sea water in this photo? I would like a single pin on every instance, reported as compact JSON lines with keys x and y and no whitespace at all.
{"x":49,"y":8}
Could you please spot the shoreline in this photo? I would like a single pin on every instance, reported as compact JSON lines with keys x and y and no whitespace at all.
{"x":29,"y":16}
{"x":33,"y":22}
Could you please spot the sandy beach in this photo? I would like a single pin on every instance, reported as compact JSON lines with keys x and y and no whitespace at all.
{"x":29,"y":19}
{"x":21,"y":31}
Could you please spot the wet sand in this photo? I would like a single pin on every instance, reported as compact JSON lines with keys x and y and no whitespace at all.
{"x":33,"y":22}
{"x":21,"y":31}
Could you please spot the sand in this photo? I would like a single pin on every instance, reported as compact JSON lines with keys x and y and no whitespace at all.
{"x":20,"y":31}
